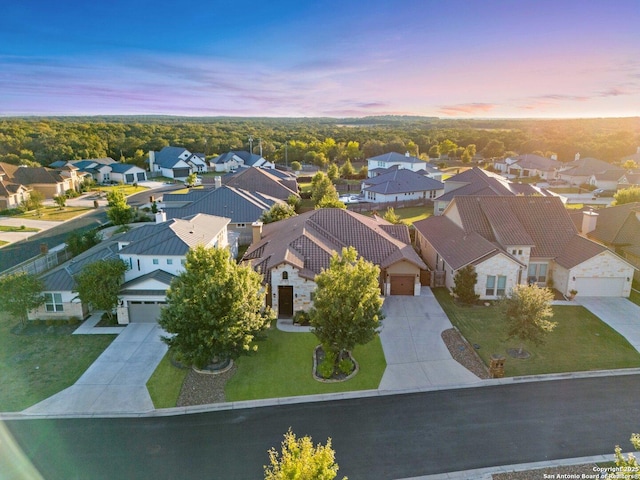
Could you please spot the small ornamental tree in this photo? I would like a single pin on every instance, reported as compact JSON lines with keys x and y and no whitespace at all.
{"x":465,"y":285}
{"x":278,"y":211}
{"x":300,"y":460}
{"x":19,"y":293}
{"x":322,"y":189}
{"x":215,"y":308}
{"x":347,"y":309}
{"x":119,"y":212}
{"x":191,"y":180}
{"x":295,"y":166}
{"x":527,"y":311}
{"x":329,"y":201}
{"x":628,"y":468}
{"x":98,"y":284}
{"x":61,"y":201}
{"x":391,"y":216}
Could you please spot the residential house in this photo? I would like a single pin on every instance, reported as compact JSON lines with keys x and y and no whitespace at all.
{"x":399,"y":184}
{"x":176,"y":162}
{"x":11,"y":194}
{"x":477,"y":181}
{"x":616,"y":227}
{"x":127,"y":173}
{"x":591,"y":171}
{"x":517,"y":240}
{"x":50,"y":182}
{"x":231,"y":161}
{"x":98,"y":168}
{"x":634,"y":156}
{"x":241,"y":206}
{"x":291,"y":252}
{"x":380,"y":163}
{"x":529,"y":165}
{"x":274,"y":183}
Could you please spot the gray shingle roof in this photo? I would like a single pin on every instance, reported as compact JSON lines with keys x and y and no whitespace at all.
{"x":586,"y":167}
{"x":396,"y":157}
{"x":159,"y":275}
{"x":123,"y":167}
{"x":249,"y":159}
{"x":532,"y":161}
{"x":401,"y":181}
{"x":168,"y":157}
{"x":261,"y":180}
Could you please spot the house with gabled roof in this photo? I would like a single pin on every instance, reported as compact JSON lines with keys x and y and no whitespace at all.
{"x":11,"y":194}
{"x":50,"y":182}
{"x":378,"y":164}
{"x":476,"y":181}
{"x":176,"y":162}
{"x":592,"y":171}
{"x":231,"y":161}
{"x":242,"y":207}
{"x":529,"y":165}
{"x":399,"y":184}
{"x":269,"y":182}
{"x":514,"y":240}
{"x":291,"y":252}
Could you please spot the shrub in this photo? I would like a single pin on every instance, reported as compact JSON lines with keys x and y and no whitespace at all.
{"x":327,"y":366}
{"x":301,"y":318}
{"x":346,"y":366}
{"x":73,"y":321}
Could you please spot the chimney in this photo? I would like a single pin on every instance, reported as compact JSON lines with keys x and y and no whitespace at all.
{"x":256,"y":229}
{"x":161,"y":216}
{"x":152,"y":159}
{"x":217,"y":182}
{"x":407,"y":154}
{"x":577,"y":157}
{"x":554,"y":157}
{"x":589,"y":220}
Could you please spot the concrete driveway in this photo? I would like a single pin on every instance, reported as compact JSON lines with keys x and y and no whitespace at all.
{"x":116,"y":382}
{"x":620,"y":314}
{"x":415,"y":353}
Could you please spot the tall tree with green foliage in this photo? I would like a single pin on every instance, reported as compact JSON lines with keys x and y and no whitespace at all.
{"x":79,"y":242}
{"x":627,"y":195}
{"x":322,"y":189}
{"x":300,"y":460}
{"x":278,"y":211}
{"x":465,"y":285}
{"x":333,"y":172}
{"x":347,"y":170}
{"x":19,"y":293}
{"x":215,"y":308}
{"x":119,"y":212}
{"x":391,"y":216}
{"x":347,"y":309}
{"x":527,"y":311}
{"x":98,"y":284}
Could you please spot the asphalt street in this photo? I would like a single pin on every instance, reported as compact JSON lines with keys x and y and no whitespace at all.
{"x":388,"y":437}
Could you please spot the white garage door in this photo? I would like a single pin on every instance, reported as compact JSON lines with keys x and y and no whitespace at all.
{"x":600,"y":287}
{"x":144,"y":312}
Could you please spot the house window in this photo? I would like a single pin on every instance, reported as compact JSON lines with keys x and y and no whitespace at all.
{"x":519,"y":252}
{"x":156,"y":261}
{"x":183,"y":261}
{"x":491,"y":285}
{"x":169,"y":261}
{"x":490,"y":289}
{"x":285,"y":275}
{"x":241,"y":225}
{"x":513,"y":252}
{"x":537,"y":273}
{"x":53,"y":302}
{"x":502,"y":283}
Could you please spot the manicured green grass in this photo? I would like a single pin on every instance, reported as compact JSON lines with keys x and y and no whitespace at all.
{"x":126,"y":189}
{"x":413,"y":214}
{"x":2,"y":243}
{"x":4,"y":228}
{"x":165,"y":384}
{"x":580,"y":341}
{"x":54,"y":213}
{"x":34,"y":367}
{"x":635,"y":297}
{"x":282,"y":367}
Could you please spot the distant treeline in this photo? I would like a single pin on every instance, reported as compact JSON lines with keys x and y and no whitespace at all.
{"x":43,"y":140}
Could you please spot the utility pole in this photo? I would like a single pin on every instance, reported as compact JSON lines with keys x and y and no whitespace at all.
{"x":250,"y":144}
{"x":286,"y":156}
{"x":260,"y":143}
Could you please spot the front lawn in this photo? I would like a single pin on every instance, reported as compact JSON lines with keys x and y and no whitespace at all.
{"x":126,"y":189}
{"x":282,"y":368}
{"x":35,"y":366}
{"x":22,"y":228}
{"x":580,"y":342}
{"x":165,"y":384}
{"x":53,"y":213}
{"x":635,"y":297}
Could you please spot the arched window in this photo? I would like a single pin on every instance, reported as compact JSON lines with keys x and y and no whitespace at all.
{"x":285,"y":275}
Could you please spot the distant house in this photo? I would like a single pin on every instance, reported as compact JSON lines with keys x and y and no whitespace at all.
{"x":269,"y":182}
{"x":290,"y":253}
{"x":241,"y":206}
{"x":50,"y":182}
{"x":634,"y":156}
{"x":11,"y":194}
{"x":592,"y":171}
{"x":529,"y":165}
{"x":127,"y":173}
{"x":106,"y":170}
{"x":231,"y":161}
{"x":399,"y":184}
{"x":477,"y":181}
{"x":99,"y":168}
{"x":176,"y":162}
{"x":380,"y":163}
{"x":512,"y":240}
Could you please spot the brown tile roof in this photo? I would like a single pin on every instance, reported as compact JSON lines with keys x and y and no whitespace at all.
{"x":453,"y":244}
{"x":260,"y":180}
{"x":577,"y":250}
{"x":31,"y":175}
{"x":307,"y":242}
{"x":618,"y":225}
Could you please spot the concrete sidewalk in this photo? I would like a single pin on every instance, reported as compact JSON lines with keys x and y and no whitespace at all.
{"x":116,"y":382}
{"x":13,"y":237}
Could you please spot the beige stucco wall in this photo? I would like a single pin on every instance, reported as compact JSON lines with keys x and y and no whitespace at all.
{"x":402,"y":268}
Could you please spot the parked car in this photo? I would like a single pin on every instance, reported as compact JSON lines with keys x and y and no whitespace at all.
{"x":349,"y":199}
{"x":601,"y":192}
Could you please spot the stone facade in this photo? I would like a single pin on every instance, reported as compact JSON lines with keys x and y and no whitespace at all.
{"x":603,"y":265}
{"x":497,"y":265}
{"x":71,"y":307}
{"x":302,"y":287}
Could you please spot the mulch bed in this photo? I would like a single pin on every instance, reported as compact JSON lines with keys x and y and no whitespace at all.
{"x":463,"y":353}
{"x":202,"y":388}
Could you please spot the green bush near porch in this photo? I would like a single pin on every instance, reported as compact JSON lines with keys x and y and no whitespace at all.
{"x":580,"y":342}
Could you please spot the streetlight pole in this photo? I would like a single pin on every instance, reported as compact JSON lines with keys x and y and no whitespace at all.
{"x":250,"y":144}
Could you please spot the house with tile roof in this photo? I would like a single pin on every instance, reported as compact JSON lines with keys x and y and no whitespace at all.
{"x":231,"y":161}
{"x":517,"y":240}
{"x":11,"y":194}
{"x":176,"y":162}
{"x":242,"y":207}
{"x":154,"y":254}
{"x":380,"y":163}
{"x":400,"y":184}
{"x":477,"y":181}
{"x":273,"y":183}
{"x":590,"y":170}
{"x":290,"y":253}
{"x":50,"y":182}
{"x":529,"y":165}
{"x":616,"y":227}
{"x":106,"y":170}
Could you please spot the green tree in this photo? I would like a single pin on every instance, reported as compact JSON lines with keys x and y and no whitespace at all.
{"x":630,"y":165}
{"x":19,"y":293}
{"x":61,"y":201}
{"x":34,"y":202}
{"x":434,"y":151}
{"x":98,"y":284}
{"x":392,"y":217}
{"x":465,"y":285}
{"x":191,"y":180}
{"x":447,"y":147}
{"x":79,"y":242}
{"x":627,"y":195}
{"x":347,"y":170}
{"x":215,"y":308}
{"x":527,"y":311}
{"x":333,"y":172}
{"x":295,"y":202}
{"x":495,"y":148}
{"x":295,"y":166}
{"x":322,"y":189}
{"x":329,"y":201}
{"x":278,"y":211}
{"x":347,"y":308}
{"x":300,"y":460}
{"x":628,"y":468}
{"x":119,"y":212}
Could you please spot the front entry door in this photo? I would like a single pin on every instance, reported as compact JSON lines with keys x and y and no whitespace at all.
{"x":285,"y":302}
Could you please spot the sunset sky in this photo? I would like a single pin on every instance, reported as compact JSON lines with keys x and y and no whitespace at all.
{"x":336,"y":58}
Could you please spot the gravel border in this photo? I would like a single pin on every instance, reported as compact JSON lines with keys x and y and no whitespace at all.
{"x":202,"y":389}
{"x":463,"y":353}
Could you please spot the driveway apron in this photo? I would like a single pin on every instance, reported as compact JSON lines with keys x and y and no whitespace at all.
{"x":116,"y":382}
{"x":415,"y":352}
